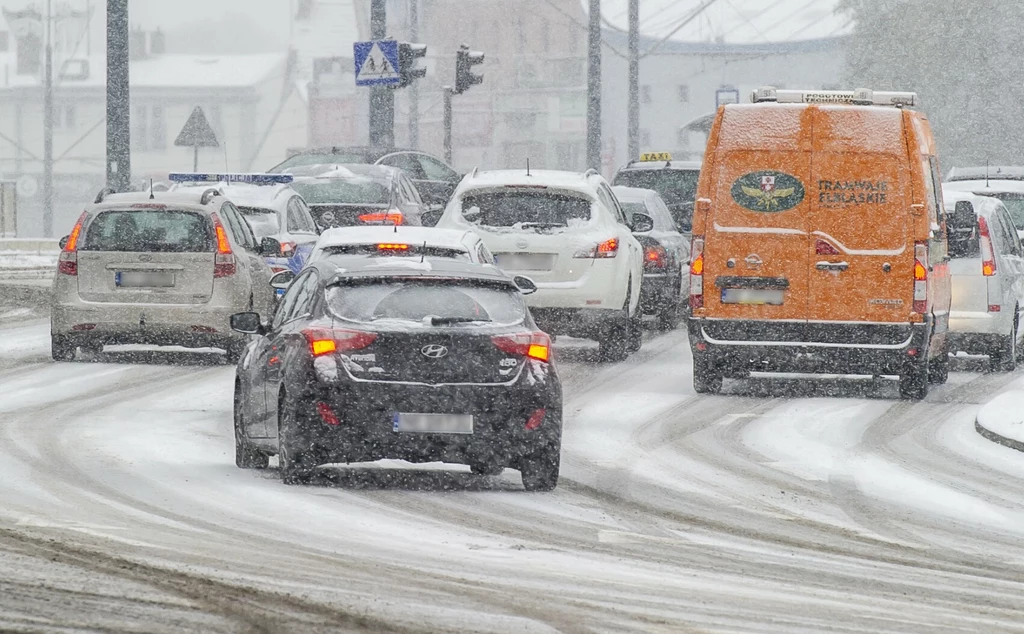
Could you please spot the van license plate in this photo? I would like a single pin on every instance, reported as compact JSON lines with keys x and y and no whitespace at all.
{"x":755,"y":296}
{"x":434,"y":423}
{"x":150,"y":279}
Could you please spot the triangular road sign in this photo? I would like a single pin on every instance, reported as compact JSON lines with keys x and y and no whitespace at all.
{"x":377,"y":66}
{"x":197,"y":132}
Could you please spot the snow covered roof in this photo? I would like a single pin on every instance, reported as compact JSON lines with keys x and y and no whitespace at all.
{"x":431,"y":236}
{"x":519,"y":178}
{"x":732,"y":21}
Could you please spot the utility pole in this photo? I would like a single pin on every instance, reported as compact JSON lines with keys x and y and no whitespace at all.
{"x":382,"y":98}
{"x":633,"y":117}
{"x":119,"y":161}
{"x":48,"y":125}
{"x":414,"y":90}
{"x":448,"y":124}
{"x":594,"y":87}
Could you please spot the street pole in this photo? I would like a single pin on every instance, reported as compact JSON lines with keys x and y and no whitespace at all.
{"x":594,"y":87}
{"x":633,"y":123}
{"x":382,"y":98}
{"x":119,"y":162}
{"x":448,"y":124}
{"x":414,"y":89}
{"x":48,"y":126}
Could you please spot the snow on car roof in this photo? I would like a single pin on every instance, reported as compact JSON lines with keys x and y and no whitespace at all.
{"x":624,"y":193}
{"x":186,"y":197}
{"x":243,"y":194}
{"x":662,"y":165}
{"x":950,"y":197}
{"x":574,"y":181}
{"x":981,"y":186}
{"x":433,"y":237}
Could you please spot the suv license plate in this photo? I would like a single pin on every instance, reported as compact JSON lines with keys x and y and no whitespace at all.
{"x":434,"y":423}
{"x":155,"y":279}
{"x":754,"y":296}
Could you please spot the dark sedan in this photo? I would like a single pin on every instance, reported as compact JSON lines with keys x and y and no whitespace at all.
{"x":424,"y":361}
{"x":352,"y":195}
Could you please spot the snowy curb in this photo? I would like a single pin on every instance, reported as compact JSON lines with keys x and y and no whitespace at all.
{"x":1001,"y":420}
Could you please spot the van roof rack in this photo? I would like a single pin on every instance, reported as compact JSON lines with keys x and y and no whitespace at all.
{"x":859,"y":97}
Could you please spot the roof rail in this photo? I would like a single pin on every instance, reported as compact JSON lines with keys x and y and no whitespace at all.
{"x":208,"y":195}
{"x":591,"y":172}
{"x":475,"y":170}
{"x":104,"y":193}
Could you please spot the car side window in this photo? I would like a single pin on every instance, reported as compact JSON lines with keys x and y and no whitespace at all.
{"x":608,"y":200}
{"x":410,"y":190}
{"x":287,"y":305}
{"x":304,"y":214}
{"x":435,"y":170}
{"x":1007,"y":234}
{"x":663,"y":216}
{"x":239,"y":227}
{"x":295,"y":220}
{"x":405,"y":162}
{"x":307,"y":294}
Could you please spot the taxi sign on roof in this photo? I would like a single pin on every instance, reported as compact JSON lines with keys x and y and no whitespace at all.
{"x":253,"y":179}
{"x":655,"y":156}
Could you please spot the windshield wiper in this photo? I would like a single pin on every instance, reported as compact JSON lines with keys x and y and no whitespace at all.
{"x":529,"y":225}
{"x":442,"y":321}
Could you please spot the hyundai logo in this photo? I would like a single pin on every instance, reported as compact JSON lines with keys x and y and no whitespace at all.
{"x":434,"y":351}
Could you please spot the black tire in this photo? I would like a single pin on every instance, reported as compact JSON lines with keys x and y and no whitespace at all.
{"x":1004,"y":359}
{"x":92,"y":347}
{"x":61,"y":349}
{"x":670,"y":314}
{"x":540,"y":471}
{"x":635,"y":338}
{"x":614,"y":344}
{"x":234,"y":349}
{"x":246,"y":456}
{"x":486,"y":469}
{"x":706,"y":379}
{"x":296,"y":467}
{"x":938,"y":368}
{"x":914,"y":381}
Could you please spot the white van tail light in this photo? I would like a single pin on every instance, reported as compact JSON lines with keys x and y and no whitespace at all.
{"x":607,"y":249}
{"x":920,"y":278}
{"x":67,"y":263}
{"x":224,"y":258}
{"x":988,"y":254}
{"x":697,"y":273}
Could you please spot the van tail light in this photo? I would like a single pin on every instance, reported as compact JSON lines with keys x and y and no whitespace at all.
{"x":533,"y":345}
{"x":988,"y":254}
{"x":697,"y":273}
{"x":822,"y":247}
{"x":390,"y":217}
{"x":607,"y":249}
{"x":224,"y":258}
{"x":67,"y":263}
{"x":323,"y":341}
{"x":920,"y":278}
{"x":287,"y":249}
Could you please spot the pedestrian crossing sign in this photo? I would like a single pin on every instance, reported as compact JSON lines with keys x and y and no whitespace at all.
{"x":377,"y":63}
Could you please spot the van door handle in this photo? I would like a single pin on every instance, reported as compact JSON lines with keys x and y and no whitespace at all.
{"x":832,"y":266}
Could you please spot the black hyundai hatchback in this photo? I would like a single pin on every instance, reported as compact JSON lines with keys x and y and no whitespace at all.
{"x":434,"y":360}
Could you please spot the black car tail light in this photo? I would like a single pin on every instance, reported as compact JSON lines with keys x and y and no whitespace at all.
{"x":324,"y":341}
{"x":534,"y":345}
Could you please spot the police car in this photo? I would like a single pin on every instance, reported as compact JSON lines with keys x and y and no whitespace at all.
{"x":271,"y":207}
{"x":675,"y":182}
{"x":402,"y":241}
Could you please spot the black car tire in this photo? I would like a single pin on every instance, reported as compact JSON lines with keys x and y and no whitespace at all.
{"x":670,"y":314}
{"x":938,"y":368}
{"x":296,"y":467}
{"x":1004,"y":358}
{"x":636,"y":333}
{"x":246,"y":456}
{"x":486,"y":468}
{"x":92,"y":346}
{"x":234,"y":349}
{"x":61,"y":349}
{"x":614,"y":344}
{"x":914,"y":381}
{"x":540,"y":470}
{"x":706,"y":380}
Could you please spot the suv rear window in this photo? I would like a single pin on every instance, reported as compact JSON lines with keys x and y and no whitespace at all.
{"x":526,"y":209}
{"x":427,"y":302}
{"x":163,"y":230}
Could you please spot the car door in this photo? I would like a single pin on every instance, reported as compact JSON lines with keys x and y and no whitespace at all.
{"x":1012,"y":259}
{"x":255,"y":266}
{"x":263,"y":360}
{"x":633,"y":248}
{"x":301,"y":230}
{"x":285,"y":339}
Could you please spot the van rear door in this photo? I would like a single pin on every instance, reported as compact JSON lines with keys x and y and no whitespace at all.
{"x":755,"y":263}
{"x":861,"y":251}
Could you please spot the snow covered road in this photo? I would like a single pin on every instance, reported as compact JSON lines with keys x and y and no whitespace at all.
{"x":838,"y":509}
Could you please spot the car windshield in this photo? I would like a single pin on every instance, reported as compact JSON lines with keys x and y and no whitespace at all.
{"x":264,"y":222}
{"x":316,"y":159}
{"x":427,"y":302}
{"x":158,"y":230}
{"x":359,"y":190}
{"x":526,"y":209}
{"x":396,"y":250}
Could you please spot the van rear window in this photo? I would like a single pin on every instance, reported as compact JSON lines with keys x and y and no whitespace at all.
{"x":163,"y":230}
{"x":525,"y":209}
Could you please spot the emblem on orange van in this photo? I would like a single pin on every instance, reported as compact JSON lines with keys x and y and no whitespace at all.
{"x":767,"y":191}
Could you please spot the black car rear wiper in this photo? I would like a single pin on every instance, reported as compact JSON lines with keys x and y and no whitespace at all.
{"x":540,"y":225}
{"x":442,"y":321}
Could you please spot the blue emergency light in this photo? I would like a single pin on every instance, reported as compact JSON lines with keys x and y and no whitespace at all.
{"x":252,"y":179}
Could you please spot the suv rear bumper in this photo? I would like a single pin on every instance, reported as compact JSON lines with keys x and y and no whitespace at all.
{"x":741,"y":346}
{"x":586,"y":323}
{"x":156,"y":324}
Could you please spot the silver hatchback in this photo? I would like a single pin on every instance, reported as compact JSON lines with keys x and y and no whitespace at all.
{"x":163,"y":269}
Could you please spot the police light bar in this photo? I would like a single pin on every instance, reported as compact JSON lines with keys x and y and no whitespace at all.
{"x":252,"y":179}
{"x":860,"y":97}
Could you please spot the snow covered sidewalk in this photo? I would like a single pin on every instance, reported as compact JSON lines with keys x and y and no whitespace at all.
{"x":1001,"y":420}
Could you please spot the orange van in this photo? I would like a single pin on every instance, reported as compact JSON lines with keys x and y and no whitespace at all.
{"x":819,"y":241}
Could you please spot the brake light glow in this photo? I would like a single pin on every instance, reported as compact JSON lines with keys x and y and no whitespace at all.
{"x":392,"y":247}
{"x":607,"y":249}
{"x":393,"y":217}
{"x":655,"y":256}
{"x":287,"y":249}
{"x":920,"y":305}
{"x":327,"y":414}
{"x":224,"y":258}
{"x":67,"y":263}
{"x":534,"y":345}
{"x":536,"y":418}
{"x":324,"y":341}
{"x":988,"y":255}
{"x":822,"y":247}
{"x":697,"y":273}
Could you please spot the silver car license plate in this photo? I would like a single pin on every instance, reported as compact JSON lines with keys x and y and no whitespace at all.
{"x":433,"y":423}
{"x":525,"y":261}
{"x":150,"y":279}
{"x":773,"y":297}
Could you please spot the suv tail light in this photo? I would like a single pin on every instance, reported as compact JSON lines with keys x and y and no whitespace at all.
{"x":988,"y":254}
{"x":534,"y":345}
{"x":697,"y":273}
{"x":607,"y":249}
{"x":324,"y":341}
{"x":224,"y":258}
{"x":920,"y":305}
{"x":390,"y":217}
{"x":67,"y":263}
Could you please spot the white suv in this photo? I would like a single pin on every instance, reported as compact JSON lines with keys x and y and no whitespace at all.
{"x":567,"y":232}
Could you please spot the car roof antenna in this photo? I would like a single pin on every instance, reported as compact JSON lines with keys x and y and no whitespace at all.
{"x":151,"y":196}
{"x":423,"y":253}
{"x":527,"y":165}
{"x":986,"y":172}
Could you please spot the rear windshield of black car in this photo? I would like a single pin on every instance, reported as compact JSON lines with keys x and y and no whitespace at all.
{"x":412,"y":250}
{"x":264,"y":222}
{"x":158,"y":230}
{"x":427,"y":303}
{"x":344,"y":191}
{"x":675,"y":186}
{"x":532,"y":208}
{"x":318,"y":159}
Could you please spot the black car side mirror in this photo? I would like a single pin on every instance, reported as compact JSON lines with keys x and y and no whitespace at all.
{"x":270,"y":248}
{"x":64,"y":241}
{"x":247,"y":323}
{"x":642,"y":223}
{"x":525,"y":284}
{"x":282,"y":280}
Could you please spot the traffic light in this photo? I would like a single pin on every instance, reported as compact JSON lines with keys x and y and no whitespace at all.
{"x":407,"y":56}
{"x":465,"y":60}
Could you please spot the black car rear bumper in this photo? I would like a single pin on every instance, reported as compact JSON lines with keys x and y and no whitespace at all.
{"x":658,"y":290}
{"x":736,"y":347}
